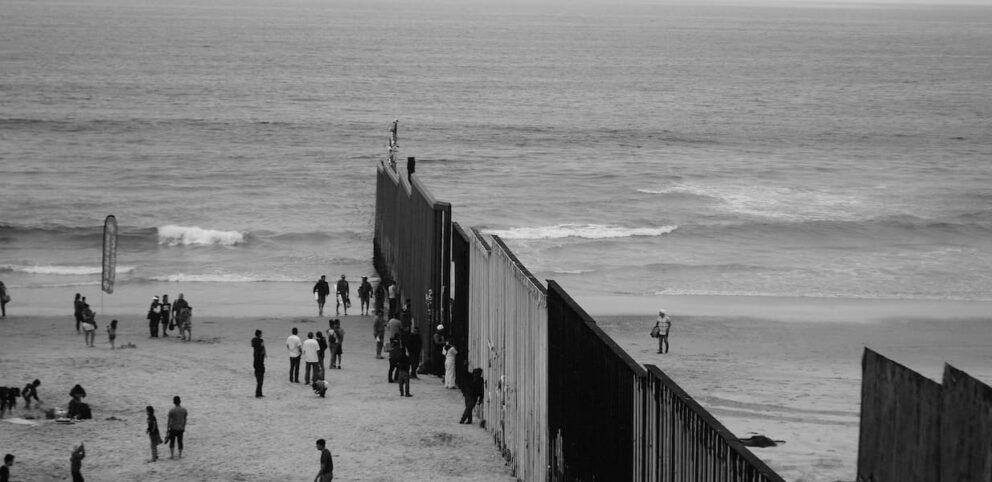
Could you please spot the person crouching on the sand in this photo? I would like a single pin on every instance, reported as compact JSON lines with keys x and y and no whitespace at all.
{"x":31,"y":391}
{"x":319,"y":385}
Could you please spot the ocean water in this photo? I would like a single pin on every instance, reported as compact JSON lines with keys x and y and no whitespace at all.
{"x":838,"y":151}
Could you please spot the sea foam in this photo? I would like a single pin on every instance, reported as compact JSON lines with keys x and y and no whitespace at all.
{"x":63,"y":270}
{"x":173,"y":235}
{"x":588,"y":231}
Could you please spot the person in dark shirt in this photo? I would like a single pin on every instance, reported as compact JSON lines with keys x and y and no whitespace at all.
{"x":258,"y":349}
{"x":321,"y":289}
{"x":77,"y":311}
{"x":8,"y":462}
{"x":364,"y":294}
{"x":153,"y":317}
{"x":474,"y":393}
{"x":326,"y":473}
{"x":76,"y":463}
{"x":343,"y":296}
{"x":31,"y":391}
{"x":165,"y":314}
{"x":413,"y":346}
{"x":403,"y":373}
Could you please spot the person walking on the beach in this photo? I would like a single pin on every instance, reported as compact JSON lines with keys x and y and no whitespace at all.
{"x":339,"y":346}
{"x":4,"y":299}
{"x":661,"y":328}
{"x":165,"y":314}
{"x":258,"y":355}
{"x":294,"y":346}
{"x":320,"y":290}
{"x":413,"y":346}
{"x":8,"y":462}
{"x":473,"y":393}
{"x":364,"y":295}
{"x":344,"y":296}
{"x":154,"y":436}
{"x":76,"y":463}
{"x":450,"y":352}
{"x":326,"y":473}
{"x":176,"y":426}
{"x":378,"y":332}
{"x":310,"y":349}
{"x":77,"y":311}
{"x":153,"y":317}
{"x":112,"y":333}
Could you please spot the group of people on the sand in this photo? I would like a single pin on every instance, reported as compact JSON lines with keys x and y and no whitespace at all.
{"x":342,"y":295}
{"x":170,"y":316}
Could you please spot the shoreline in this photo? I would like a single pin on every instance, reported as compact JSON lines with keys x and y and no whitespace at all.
{"x":292,"y":299}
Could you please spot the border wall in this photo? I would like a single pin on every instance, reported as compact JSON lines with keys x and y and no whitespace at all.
{"x":915,"y":429}
{"x":508,"y":326}
{"x":411,"y":246}
{"x":563,"y":401}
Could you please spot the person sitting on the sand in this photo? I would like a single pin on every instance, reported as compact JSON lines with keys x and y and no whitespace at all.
{"x":31,"y":391}
{"x":77,"y":409}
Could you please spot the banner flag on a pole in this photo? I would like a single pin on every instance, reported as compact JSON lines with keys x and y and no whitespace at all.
{"x":109,"y":253}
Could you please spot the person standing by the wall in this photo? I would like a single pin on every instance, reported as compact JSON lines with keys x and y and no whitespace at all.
{"x":364,"y":295}
{"x":380,"y":296}
{"x":378,"y":332}
{"x":294,"y":346}
{"x":176,"y":426}
{"x":320,"y":290}
{"x":473,"y":393}
{"x":450,"y":352}
{"x":394,"y":303}
{"x":258,"y":354}
{"x":413,"y":346}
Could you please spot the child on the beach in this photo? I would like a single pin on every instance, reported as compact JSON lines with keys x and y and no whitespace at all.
{"x":31,"y":391}
{"x":154,"y":436}
{"x":112,"y":332}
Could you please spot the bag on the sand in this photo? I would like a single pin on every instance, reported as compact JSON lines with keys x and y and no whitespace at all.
{"x":655,"y":332}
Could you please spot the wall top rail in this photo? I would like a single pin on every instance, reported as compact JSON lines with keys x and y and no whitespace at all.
{"x":520,"y":266}
{"x":638,"y":370}
{"x":482,"y":239}
{"x":715,"y":424}
{"x":412,"y":182}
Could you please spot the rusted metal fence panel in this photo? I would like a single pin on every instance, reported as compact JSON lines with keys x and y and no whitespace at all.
{"x":595,"y":398}
{"x":965,"y":428}
{"x":684,"y":442}
{"x":900,"y":423}
{"x":508,"y":340}
{"x":411,"y":247}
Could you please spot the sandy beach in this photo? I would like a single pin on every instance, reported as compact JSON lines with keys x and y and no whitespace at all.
{"x":373,"y":433}
{"x":800,"y":381}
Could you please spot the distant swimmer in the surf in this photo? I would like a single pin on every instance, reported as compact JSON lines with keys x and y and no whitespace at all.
{"x":660,"y":331}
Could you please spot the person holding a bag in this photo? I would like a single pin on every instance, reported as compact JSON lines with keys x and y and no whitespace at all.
{"x":660,"y":331}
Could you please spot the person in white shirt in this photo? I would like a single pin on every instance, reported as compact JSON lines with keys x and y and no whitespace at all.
{"x":310,"y":349}
{"x":294,"y":346}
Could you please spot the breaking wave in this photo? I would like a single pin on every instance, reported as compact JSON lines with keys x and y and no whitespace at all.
{"x":172,"y":235}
